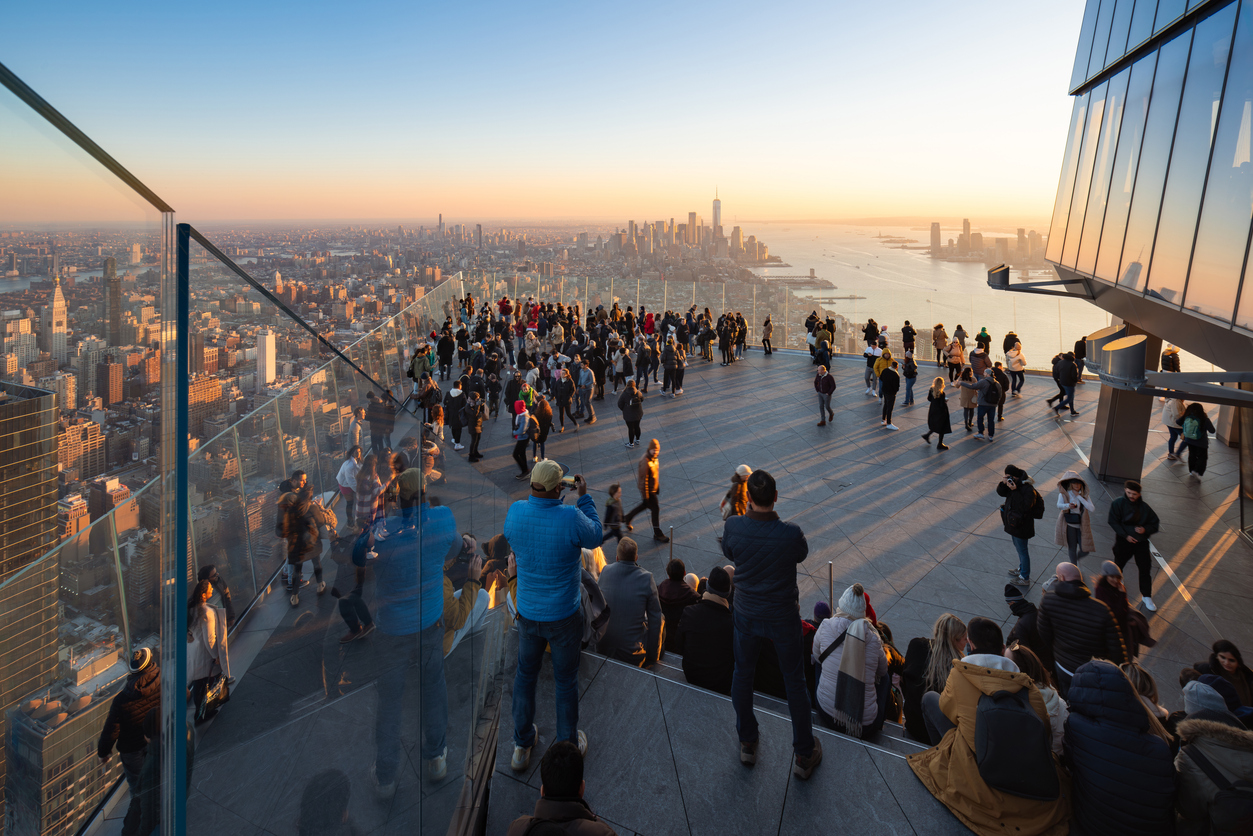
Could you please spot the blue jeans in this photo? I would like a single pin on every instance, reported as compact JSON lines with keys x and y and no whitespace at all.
{"x":1016,"y":379}
{"x":425,"y":648}
{"x":785,"y":633}
{"x":583,"y":402}
{"x":1068,"y":399}
{"x":564,"y":638}
{"x":1175,"y":432}
{"x":824,"y":405}
{"x":990,"y":412}
{"x":909,"y":389}
{"x":1024,"y":559}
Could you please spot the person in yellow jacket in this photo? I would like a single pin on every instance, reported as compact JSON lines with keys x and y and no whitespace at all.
{"x":950,"y":770}
{"x":884,"y":362}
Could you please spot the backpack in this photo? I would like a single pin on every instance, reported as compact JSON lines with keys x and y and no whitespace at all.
{"x":1037,"y":505}
{"x":1013,"y":747}
{"x":1231,"y":809}
{"x":1191,"y":429}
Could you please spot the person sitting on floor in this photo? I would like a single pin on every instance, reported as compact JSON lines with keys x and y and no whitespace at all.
{"x":1018,"y":787}
{"x":561,"y":806}
{"x":708,"y":636}
{"x":635,"y":622}
{"x":1222,"y":744}
{"x":675,"y":595}
{"x":849,"y":653}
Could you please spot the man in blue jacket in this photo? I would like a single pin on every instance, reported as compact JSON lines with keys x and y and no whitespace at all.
{"x":548,"y":538}
{"x":409,"y":584}
{"x":766,"y":551}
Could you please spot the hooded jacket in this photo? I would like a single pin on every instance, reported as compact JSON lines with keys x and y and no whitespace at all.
{"x":1078,"y":627}
{"x":1017,"y":513}
{"x":125,"y":723}
{"x":675,"y":597}
{"x":1085,"y":516}
{"x":950,"y":772}
{"x":1226,"y":745}
{"x":1124,"y":775}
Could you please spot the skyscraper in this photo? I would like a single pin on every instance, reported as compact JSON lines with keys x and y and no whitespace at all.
{"x":109,"y":381}
{"x":692,"y":236}
{"x":717,"y":213}
{"x":53,"y":334}
{"x":112,"y":302}
{"x":28,"y":475}
{"x":478,"y":236}
{"x":266,"y":359}
{"x":935,"y":239}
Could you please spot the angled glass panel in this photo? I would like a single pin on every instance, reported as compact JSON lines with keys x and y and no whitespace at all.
{"x":1130,"y":137}
{"x":1141,"y":23}
{"x":1168,"y":11}
{"x":1223,"y":232}
{"x":1103,"y":166}
{"x":1066,"y":185}
{"x":1083,"y":176}
{"x":1198,"y":118}
{"x":1154,"y":156}
{"x":1100,"y":37}
{"x":219,"y":525}
{"x":1118,"y":31}
{"x":262,"y":469}
{"x":1084,"y":50}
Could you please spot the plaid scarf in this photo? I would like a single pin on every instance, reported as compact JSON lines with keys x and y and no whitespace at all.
{"x":850,"y":689}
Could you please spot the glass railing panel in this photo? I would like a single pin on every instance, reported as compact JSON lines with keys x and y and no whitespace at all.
{"x":221,"y":529}
{"x":263,"y":468}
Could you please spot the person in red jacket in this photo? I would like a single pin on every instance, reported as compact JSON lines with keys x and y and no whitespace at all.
{"x":824,"y":385}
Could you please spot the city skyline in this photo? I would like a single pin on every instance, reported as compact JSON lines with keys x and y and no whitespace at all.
{"x":785,"y":133}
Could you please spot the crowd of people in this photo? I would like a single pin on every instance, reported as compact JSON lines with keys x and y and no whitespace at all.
{"x":1063,"y":694}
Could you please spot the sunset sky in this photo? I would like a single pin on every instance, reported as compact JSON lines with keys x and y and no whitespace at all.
{"x":553,"y":111}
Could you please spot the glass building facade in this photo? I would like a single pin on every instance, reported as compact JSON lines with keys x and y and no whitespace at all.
{"x":1156,"y":191}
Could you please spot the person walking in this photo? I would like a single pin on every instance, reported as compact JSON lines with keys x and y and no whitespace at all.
{"x":909,"y":371}
{"x":124,"y":727}
{"x":956,"y":358}
{"x":824,"y":385}
{"x":1172,"y":414}
{"x":525,"y":431}
{"x":346,"y":478}
{"x":565,"y":396}
{"x":453,"y":403}
{"x":585,"y":379}
{"x":1134,"y":522}
{"x":1002,"y":380}
{"x":1074,"y":522}
{"x":543,"y":412}
{"x":631,"y":403}
{"x":1022,"y":507}
{"x":766,"y":552}
{"x":1017,"y":362}
{"x":989,"y":396}
{"x":939,"y":341}
{"x":1067,"y":378}
{"x":872,"y":353}
{"x":548,"y":538}
{"x":648,"y":480}
{"x":968,"y":397}
{"x":300,"y":528}
{"x":767,"y":331}
{"x":937,"y":414}
{"x":889,"y":385}
{"x":1196,"y":427}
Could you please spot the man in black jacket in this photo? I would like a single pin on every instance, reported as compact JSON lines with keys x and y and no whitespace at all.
{"x":1023,"y":506}
{"x":766,"y":551}
{"x":1077,"y":627}
{"x":1025,"y":630}
{"x":707,"y":636}
{"x":1056,"y":365}
{"x":1067,"y":378}
{"x":125,"y":726}
{"x":1134,"y":522}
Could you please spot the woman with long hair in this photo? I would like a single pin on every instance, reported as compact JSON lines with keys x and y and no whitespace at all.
{"x":206,"y":638}
{"x":1030,"y":664}
{"x":1074,"y":524}
{"x":967,"y":397}
{"x":1196,"y":432}
{"x":1225,"y":661}
{"x":927,"y":664}
{"x":938,"y":421}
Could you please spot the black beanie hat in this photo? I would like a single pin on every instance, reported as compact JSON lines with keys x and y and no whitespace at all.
{"x":1013,"y":594}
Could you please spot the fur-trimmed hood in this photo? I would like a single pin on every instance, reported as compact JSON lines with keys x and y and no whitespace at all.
{"x":1221,"y":733}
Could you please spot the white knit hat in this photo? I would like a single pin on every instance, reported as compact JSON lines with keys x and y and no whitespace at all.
{"x":852,"y":604}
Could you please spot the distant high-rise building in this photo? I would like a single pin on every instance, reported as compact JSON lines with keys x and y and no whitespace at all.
{"x":691,"y":238}
{"x":137,"y":253}
{"x":963,"y":243}
{"x":72,"y":516}
{"x":109,"y":375}
{"x":717,"y":213}
{"x":82,"y":447}
{"x":65,"y":386}
{"x":53,"y":332}
{"x":441,"y":225}
{"x":1022,"y":244}
{"x":28,"y":475}
{"x":935,"y":239}
{"x":112,"y":302}
{"x":478,"y":236}
{"x":90,"y":352}
{"x":266,"y":357}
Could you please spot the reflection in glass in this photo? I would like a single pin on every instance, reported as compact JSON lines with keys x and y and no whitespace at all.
{"x":1100,"y":38}
{"x":1061,"y":206}
{"x":1084,"y":50}
{"x":1118,"y":31}
{"x":1154,"y":155}
{"x":1223,"y":232}
{"x":1193,"y":137}
{"x":1168,"y":11}
{"x":1141,"y":23}
{"x":1103,"y":164}
{"x":1130,"y":137}
{"x":1083,"y":174}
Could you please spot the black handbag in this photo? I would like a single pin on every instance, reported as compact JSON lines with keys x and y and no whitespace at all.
{"x":210,"y":694}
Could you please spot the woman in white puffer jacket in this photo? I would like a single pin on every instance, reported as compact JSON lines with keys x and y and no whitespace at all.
{"x":1017,"y":363}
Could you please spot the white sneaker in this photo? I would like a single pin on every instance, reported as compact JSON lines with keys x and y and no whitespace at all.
{"x":522,"y":754}
{"x":383,"y":791}
{"x":458,"y":447}
{"x":437,"y":767}
{"x":979,"y":436}
{"x":582,"y":744}
{"x":893,"y":427}
{"x":295,"y":600}
{"x":1148,"y":604}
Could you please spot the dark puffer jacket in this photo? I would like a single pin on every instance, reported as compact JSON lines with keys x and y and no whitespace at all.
{"x":1078,"y":627}
{"x":1018,"y":512}
{"x":766,"y":551}
{"x":125,"y":723}
{"x":1124,"y":775}
{"x":1026,"y":631}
